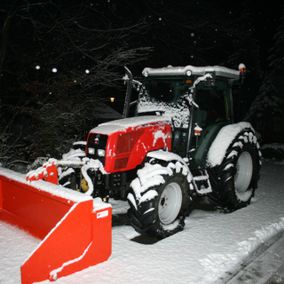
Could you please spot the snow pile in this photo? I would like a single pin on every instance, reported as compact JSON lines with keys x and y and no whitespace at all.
{"x":261,"y":236}
{"x":216,"y":263}
{"x":223,"y":140}
{"x":273,"y":151}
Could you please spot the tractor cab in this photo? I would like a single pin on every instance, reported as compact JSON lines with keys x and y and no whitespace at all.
{"x":197,"y":99}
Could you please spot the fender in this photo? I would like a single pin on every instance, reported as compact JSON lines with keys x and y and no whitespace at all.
{"x":166,"y":156}
{"x":207,"y":138}
{"x":223,"y":141}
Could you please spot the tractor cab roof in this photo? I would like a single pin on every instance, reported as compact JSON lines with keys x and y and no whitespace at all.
{"x":190,"y":70}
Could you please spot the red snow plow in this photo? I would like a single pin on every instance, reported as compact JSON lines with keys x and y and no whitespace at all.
{"x":75,"y":230}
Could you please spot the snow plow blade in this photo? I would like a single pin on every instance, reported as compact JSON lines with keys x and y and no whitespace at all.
{"x":75,"y":231}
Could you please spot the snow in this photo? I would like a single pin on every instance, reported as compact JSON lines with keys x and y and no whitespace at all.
{"x":159,"y":134}
{"x":99,"y":204}
{"x":178,"y":111}
{"x":223,"y":140}
{"x":15,"y":246}
{"x":66,"y":173}
{"x":91,"y":164}
{"x":74,"y":154}
{"x":165,"y":156}
{"x":122,"y":124}
{"x":196,"y":71}
{"x":275,"y":146}
{"x":211,"y":248}
{"x":106,"y":129}
{"x":151,"y":194}
{"x":82,"y":143}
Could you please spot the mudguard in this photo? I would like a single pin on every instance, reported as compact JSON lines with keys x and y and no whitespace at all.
{"x":204,"y":144}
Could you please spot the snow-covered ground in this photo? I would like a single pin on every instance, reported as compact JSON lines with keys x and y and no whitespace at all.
{"x":212,"y":247}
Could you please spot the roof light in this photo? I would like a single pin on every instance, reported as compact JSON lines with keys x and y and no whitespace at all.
{"x":242,"y":68}
{"x":188,"y":73}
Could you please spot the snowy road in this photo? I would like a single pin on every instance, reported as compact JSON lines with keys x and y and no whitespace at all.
{"x":211,"y":249}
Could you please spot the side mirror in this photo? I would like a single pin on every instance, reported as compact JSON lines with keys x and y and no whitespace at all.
{"x":128,"y":78}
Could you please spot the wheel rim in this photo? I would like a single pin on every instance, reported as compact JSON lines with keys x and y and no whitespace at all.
{"x":170,"y":203}
{"x":244,"y":169}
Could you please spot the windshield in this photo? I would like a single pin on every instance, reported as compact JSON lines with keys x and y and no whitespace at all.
{"x":166,"y":90}
{"x":164,"y":96}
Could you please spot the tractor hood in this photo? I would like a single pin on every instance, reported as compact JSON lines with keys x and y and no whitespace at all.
{"x":122,"y":145}
{"x":123,"y":124}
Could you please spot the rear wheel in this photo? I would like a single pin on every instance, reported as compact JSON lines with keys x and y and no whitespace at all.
{"x":235,"y":180}
{"x":159,"y":199}
{"x":243,"y":176}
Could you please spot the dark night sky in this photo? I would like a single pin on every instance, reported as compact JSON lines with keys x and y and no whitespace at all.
{"x":102,"y":36}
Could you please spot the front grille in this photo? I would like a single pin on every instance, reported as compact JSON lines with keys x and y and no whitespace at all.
{"x":95,"y":143}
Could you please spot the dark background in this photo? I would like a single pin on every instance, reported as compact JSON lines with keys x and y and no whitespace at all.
{"x":42,"y":112}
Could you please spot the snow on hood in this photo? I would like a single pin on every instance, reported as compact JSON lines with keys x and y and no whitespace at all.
{"x":122,"y":124}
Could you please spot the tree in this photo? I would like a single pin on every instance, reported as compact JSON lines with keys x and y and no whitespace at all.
{"x":57,"y":61}
{"x":267,"y":109}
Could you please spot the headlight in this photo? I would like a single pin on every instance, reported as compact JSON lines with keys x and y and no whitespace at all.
{"x":91,"y":151}
{"x":101,"y":152}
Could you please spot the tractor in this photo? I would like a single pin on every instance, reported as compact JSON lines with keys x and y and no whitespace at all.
{"x":181,"y":143}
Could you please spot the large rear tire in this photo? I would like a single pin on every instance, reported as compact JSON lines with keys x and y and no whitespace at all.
{"x":159,"y":199}
{"x":235,"y":180}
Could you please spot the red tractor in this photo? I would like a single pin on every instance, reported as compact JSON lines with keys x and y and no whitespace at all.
{"x":182,"y":143}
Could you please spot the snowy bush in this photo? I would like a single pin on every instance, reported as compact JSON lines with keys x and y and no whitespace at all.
{"x":273,"y":151}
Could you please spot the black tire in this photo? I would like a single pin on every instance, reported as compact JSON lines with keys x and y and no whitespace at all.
{"x":149,"y":213}
{"x":68,"y":179}
{"x":234,"y":181}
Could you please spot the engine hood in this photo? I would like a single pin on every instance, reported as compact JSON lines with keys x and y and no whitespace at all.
{"x":123,"y":124}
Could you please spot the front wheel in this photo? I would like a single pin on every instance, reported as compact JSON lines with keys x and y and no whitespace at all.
{"x":159,"y":200}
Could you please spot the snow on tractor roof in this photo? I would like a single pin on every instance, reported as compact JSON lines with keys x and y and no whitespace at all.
{"x":192,"y":70}
{"x":121,"y":124}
